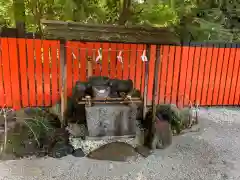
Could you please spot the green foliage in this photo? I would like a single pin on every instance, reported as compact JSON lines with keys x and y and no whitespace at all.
{"x":38,"y":127}
{"x":193,"y":19}
{"x":158,"y":14}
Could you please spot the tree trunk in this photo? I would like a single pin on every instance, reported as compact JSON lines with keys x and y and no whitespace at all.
{"x":126,"y":12}
{"x":19,"y":16}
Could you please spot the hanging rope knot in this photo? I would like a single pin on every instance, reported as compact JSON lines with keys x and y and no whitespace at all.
{"x":99,"y":57}
{"x":143,"y":56}
{"x":119,"y":57}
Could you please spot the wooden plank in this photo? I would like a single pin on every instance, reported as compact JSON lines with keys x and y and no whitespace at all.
{"x":119,"y":65}
{"x":206,"y":74}
{"x":155,"y":87}
{"x":138,"y":67}
{"x":31,"y":73}
{"x":160,"y":73}
{"x":97,"y":65}
{"x":163,"y":77}
{"x":38,"y":71}
{"x":59,"y":80}
{"x":46,"y":73}
{"x":83,"y":61}
{"x":89,"y":50}
{"x":212,"y":77}
{"x":182,"y":76}
{"x":69,"y":68}
{"x":76,"y":62}
{"x":200,"y":77}
{"x":2,"y":93}
{"x":146,"y":75}
{"x":151,"y":72}
{"x":193,"y":90}
{"x":133,"y":59}
{"x":223,"y":77}
{"x":105,"y":59}
{"x":63,"y":83}
{"x":113,"y":60}
{"x":14,"y":70}
{"x":54,"y":71}
{"x":6,"y":72}
{"x":108,"y":33}
{"x":23,"y":72}
{"x":110,"y":99}
{"x":237,"y":92}
{"x":236,"y":66}
{"x":218,"y":72}
{"x":170,"y":72}
{"x":126,"y":62}
{"x":143,"y":65}
{"x":229,"y":77}
{"x":176,"y":73}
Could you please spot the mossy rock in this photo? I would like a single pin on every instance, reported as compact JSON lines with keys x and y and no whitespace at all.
{"x":178,"y":118}
{"x":20,"y":143}
{"x":172,"y":114}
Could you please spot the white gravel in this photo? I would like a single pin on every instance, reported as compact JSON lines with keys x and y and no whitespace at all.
{"x":211,"y":154}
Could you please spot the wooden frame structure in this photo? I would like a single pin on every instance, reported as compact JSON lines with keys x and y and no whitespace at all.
{"x":73,"y":31}
{"x":108,"y":33}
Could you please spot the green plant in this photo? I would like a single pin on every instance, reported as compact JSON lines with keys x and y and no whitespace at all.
{"x":38,"y":126}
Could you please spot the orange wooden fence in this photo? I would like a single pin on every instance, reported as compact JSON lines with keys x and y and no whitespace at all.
{"x":30,"y":71}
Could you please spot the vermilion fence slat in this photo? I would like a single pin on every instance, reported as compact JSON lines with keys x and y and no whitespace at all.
{"x":163,"y":76}
{"x":206,"y":74}
{"x":105,"y":59}
{"x":210,"y":94}
{"x":54,"y":71}
{"x":237,"y":92}
{"x":75,"y":61}
{"x":38,"y":71}
{"x":170,"y":70}
{"x":133,"y":59}
{"x":13,"y":56}
{"x":31,"y":73}
{"x":2,"y":94}
{"x":6,"y":73}
{"x":196,"y":60}
{"x":138,"y":69}
{"x":46,"y":73}
{"x":59,"y":73}
{"x":200,"y":76}
{"x":223,"y":75}
{"x":228,"y":76}
{"x":182,"y":76}
{"x":218,"y":76}
{"x":126,"y":61}
{"x":142,"y":48}
{"x":113,"y":60}
{"x":83,"y":62}
{"x":175,"y":75}
{"x":97,"y":65}
{"x":234,"y":76}
{"x":90,"y":55}
{"x":119,"y":64}
{"x":69,"y":68}
{"x":23,"y":72}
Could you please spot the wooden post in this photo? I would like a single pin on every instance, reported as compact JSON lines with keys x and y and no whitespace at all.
{"x":20,"y":26}
{"x":63,"y":79}
{"x":146,"y":81}
{"x":155,"y":85}
{"x":89,"y":66}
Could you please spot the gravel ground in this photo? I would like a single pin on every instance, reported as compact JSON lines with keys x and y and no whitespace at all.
{"x":211,"y":154}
